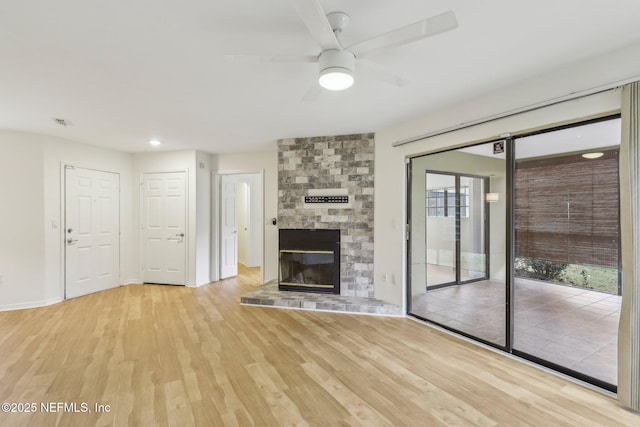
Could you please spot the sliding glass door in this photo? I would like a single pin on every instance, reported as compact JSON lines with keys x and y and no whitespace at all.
{"x":455,"y":229}
{"x":516,"y":243}
{"x":473,"y":227}
{"x":456,"y":281}
{"x":567,"y":292}
{"x":440,"y":230}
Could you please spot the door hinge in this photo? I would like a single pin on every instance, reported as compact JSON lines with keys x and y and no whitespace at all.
{"x":69,"y":167}
{"x":408,"y":232}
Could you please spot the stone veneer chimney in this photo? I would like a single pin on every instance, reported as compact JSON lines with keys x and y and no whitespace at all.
{"x":332,"y":162}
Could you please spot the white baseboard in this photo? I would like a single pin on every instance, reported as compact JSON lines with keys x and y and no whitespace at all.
{"x":30,"y":304}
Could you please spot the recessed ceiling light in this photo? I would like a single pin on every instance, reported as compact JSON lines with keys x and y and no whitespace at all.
{"x":154,"y":142}
{"x":592,"y":155}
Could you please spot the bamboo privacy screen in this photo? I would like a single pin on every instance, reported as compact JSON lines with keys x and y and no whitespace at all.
{"x":567,"y":209}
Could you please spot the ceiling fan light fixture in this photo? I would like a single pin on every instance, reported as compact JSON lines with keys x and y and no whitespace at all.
{"x":336,"y":69}
{"x":335,"y":79}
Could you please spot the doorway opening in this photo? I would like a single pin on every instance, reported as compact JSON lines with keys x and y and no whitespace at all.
{"x":240,"y":223}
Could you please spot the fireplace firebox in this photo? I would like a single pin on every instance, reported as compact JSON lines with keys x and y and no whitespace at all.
{"x":309,"y":261}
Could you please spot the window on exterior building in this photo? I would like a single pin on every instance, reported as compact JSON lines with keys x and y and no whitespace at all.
{"x":442,"y":202}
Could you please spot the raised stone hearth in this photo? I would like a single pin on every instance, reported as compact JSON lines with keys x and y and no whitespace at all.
{"x":269,"y":295}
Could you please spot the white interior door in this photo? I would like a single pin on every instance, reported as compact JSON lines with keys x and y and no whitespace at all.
{"x":243,"y":207}
{"x":92,"y":231}
{"x":163,"y":228}
{"x":228,"y":228}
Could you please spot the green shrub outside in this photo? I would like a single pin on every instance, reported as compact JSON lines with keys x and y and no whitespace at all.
{"x":601,"y":279}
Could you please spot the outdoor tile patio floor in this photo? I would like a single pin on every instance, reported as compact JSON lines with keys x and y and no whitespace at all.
{"x":572,"y":327}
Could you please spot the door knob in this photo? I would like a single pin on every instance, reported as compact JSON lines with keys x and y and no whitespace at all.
{"x":180,"y":234}
{"x":71,"y":241}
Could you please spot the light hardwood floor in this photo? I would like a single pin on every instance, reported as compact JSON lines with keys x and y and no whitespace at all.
{"x":165,"y":355}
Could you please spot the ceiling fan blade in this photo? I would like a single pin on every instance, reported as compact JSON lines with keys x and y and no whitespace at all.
{"x":255,"y":59}
{"x":313,"y":16}
{"x":426,"y":28}
{"x":382,"y":75}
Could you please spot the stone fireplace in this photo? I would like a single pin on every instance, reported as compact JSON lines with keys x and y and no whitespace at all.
{"x":326,"y":183}
{"x":309,"y":261}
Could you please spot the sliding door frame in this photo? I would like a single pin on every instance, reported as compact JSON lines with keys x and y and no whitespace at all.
{"x":510,"y":255}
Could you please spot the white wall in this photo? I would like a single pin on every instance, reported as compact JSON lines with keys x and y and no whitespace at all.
{"x":390,"y":215}
{"x":265,"y":162}
{"x":21,"y":221}
{"x":203,"y":218}
{"x":32,"y":218}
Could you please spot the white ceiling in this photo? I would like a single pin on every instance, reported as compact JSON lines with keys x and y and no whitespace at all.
{"x":125,"y":71}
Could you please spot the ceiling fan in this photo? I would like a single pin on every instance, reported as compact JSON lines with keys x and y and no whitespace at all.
{"x":337,"y":62}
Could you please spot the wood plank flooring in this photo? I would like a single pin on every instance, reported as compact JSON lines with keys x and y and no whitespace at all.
{"x":175,"y":356}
